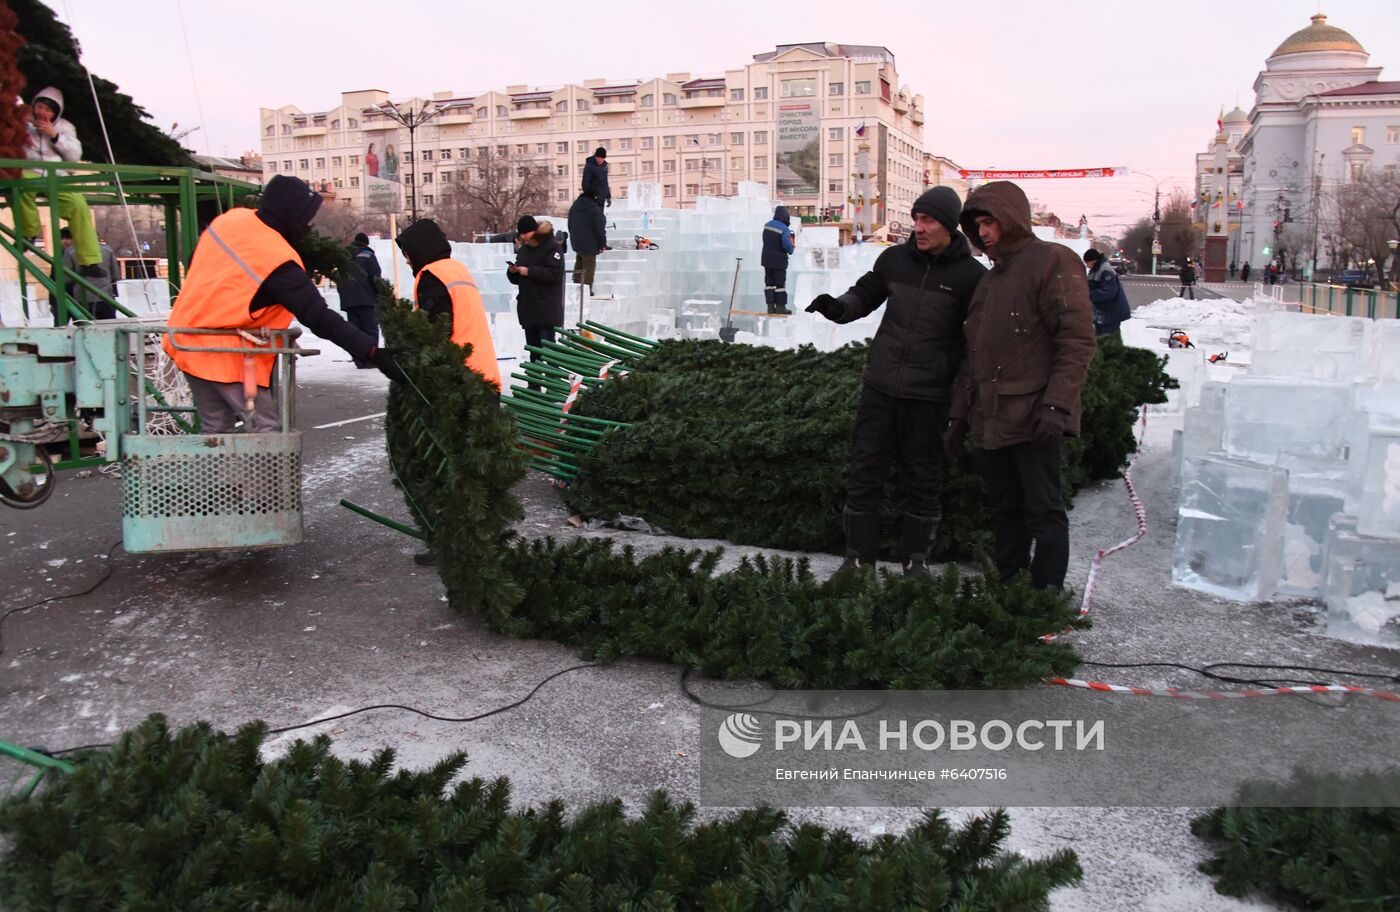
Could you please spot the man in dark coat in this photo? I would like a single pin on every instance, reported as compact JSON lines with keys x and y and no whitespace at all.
{"x":777,"y":246}
{"x":595,"y":177}
{"x":538,"y":271}
{"x":358,"y":295}
{"x":1030,"y":338}
{"x":1188,"y":280}
{"x":1106,"y":294}
{"x":588,"y":229}
{"x":926,"y":284}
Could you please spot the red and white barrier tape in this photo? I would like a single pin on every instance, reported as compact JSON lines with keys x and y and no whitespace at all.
{"x":1095,"y":568}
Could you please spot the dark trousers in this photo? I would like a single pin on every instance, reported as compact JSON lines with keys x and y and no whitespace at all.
{"x":775,"y":289}
{"x":585,"y":266}
{"x":1024,"y":493}
{"x":1188,"y":291}
{"x":534,"y":335}
{"x":366,"y":320}
{"x":910,"y":429}
{"x":221,"y":405}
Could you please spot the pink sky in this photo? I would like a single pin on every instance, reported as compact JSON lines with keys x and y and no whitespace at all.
{"x":1007,"y":84}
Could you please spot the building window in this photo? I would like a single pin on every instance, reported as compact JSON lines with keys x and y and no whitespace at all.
{"x":626,"y":169}
{"x":335,"y":124}
{"x":736,"y":139}
{"x":863,"y":87}
{"x":561,"y":195}
{"x":625,"y":145}
{"x":561,"y":147}
{"x":692,"y":139}
{"x":302,"y":164}
{"x":427,"y":177}
{"x":464,"y":153}
{"x":286,"y":129}
{"x":272,"y":166}
{"x":692,"y":164}
{"x":287,"y":165}
{"x":833,"y":186}
{"x":836,"y":88}
{"x":562,"y":107}
{"x":502,"y":151}
{"x":648,"y":167}
{"x":520,"y":148}
{"x":648,"y":142}
{"x":1392,"y":135}
{"x":692,"y":189}
{"x":335,"y":161}
{"x":668,"y":98}
{"x":1358,"y":170}
{"x":582,"y":145}
{"x":648,"y":101}
{"x":836,"y":159}
{"x":760,"y":93}
{"x":712,"y":164}
{"x":836,"y":133}
{"x":799,"y":88}
{"x":541,"y":148}
{"x":427,"y":155}
{"x":354,"y":124}
{"x":501,"y":111}
{"x":1358,"y":136}
{"x":427,"y":199}
{"x":481,"y":112}
{"x":446,"y":155}
{"x":447,"y":177}
{"x":713,"y":139}
{"x":561,"y":170}
{"x":355,"y":181}
{"x":760,"y":137}
{"x":271,"y":129}
{"x":736,"y":94}
{"x":320,"y":163}
{"x":668,"y":166}
{"x":581,"y":105}
{"x":668,"y":190}
{"x":338,"y":183}
{"x":736,"y":162}
{"x":668,"y":142}
{"x":760,"y":162}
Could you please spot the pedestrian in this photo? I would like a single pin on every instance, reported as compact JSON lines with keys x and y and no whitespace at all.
{"x":50,"y":137}
{"x":926,"y":284}
{"x":245,"y":274}
{"x":1107,"y":295}
{"x":588,"y":228}
{"x":595,"y":177}
{"x":359,"y":295}
{"x":1271,"y":274}
{"x":1188,"y":280}
{"x":1244,"y":272}
{"x":102,"y":309}
{"x":538,"y":273}
{"x":1030,"y":338}
{"x":777,"y":246}
{"x":1232,"y":270}
{"x":445,"y":288}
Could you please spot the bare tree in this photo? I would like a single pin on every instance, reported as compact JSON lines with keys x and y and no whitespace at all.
{"x":1365,"y":218}
{"x":114,"y":228}
{"x":1137,"y":244}
{"x":1180,"y":237}
{"x":491,"y":193}
{"x":339,"y":221}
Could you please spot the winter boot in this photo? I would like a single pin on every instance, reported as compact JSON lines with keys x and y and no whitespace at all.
{"x":914,"y":545}
{"x":862,"y":541}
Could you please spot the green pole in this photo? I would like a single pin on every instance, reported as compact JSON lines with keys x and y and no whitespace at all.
{"x":382,"y":520}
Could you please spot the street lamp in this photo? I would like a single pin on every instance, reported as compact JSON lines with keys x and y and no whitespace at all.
{"x":1156,"y":215}
{"x":412,"y":120}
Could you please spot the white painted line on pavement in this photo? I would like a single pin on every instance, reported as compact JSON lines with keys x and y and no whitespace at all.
{"x":321,"y":427}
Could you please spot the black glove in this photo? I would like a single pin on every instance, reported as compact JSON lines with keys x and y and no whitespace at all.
{"x":1049,"y":424}
{"x":383,"y":358}
{"x":955,"y":441}
{"x":827,"y":306}
{"x":608,"y":204}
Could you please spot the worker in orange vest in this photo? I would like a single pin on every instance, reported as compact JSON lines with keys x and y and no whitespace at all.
{"x":245,"y":274}
{"x":443,"y":285}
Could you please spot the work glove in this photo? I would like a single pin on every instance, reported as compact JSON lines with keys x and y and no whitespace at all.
{"x":1050,"y":424}
{"x":383,"y":358}
{"x":827,"y":306}
{"x":955,"y":441}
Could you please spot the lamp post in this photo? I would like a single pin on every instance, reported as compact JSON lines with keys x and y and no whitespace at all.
{"x":1156,"y":216}
{"x":412,"y":120}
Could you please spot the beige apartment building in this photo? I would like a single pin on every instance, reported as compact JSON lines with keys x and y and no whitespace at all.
{"x":827,"y":127}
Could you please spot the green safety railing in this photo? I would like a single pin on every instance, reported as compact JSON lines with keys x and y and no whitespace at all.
{"x":1349,"y":301}
{"x":30,"y":769}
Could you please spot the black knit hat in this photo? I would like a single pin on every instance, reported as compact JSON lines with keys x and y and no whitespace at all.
{"x":600,"y":152}
{"x":361,"y":240}
{"x":526,"y":224}
{"x":1093,"y":256}
{"x":940,"y":203}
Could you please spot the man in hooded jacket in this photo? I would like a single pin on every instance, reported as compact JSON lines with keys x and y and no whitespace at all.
{"x":51,"y":137}
{"x":446,"y":289}
{"x":595,"y":177}
{"x":926,"y":284}
{"x":588,"y":229}
{"x":246,"y":274}
{"x":359,"y":296}
{"x":777,"y":246}
{"x":1030,"y":338}
{"x":538,"y":273}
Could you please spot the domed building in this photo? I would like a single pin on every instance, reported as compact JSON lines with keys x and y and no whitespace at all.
{"x":1321,"y":115}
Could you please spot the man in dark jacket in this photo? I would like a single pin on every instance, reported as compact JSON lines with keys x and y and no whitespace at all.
{"x":1106,"y":294}
{"x":926,"y":284}
{"x":1188,"y":280}
{"x":538,"y":271}
{"x":777,"y":246}
{"x":588,"y":228}
{"x":358,"y":296}
{"x":1030,"y":338}
{"x":595,"y":177}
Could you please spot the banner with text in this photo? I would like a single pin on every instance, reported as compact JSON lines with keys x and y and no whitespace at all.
{"x":1042,"y":173}
{"x":799,"y":154}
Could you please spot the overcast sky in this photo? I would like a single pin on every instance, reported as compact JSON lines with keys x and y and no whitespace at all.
{"x":1007,"y":83}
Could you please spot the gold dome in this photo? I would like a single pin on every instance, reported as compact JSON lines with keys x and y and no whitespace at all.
{"x":1319,"y":36}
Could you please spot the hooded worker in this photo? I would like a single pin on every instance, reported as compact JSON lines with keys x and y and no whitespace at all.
{"x":777,"y":247}
{"x":925,"y":285}
{"x":445,"y":289}
{"x":538,"y":275}
{"x":51,"y":137}
{"x":246,"y":274}
{"x":1030,"y":338}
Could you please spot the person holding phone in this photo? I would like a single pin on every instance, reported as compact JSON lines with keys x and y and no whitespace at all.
{"x":538,"y":273}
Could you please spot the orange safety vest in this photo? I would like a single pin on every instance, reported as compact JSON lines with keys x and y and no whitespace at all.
{"x":233,"y":257}
{"x":469,"y":326}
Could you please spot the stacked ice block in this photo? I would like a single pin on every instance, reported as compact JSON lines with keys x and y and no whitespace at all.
{"x":1290,"y":473}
